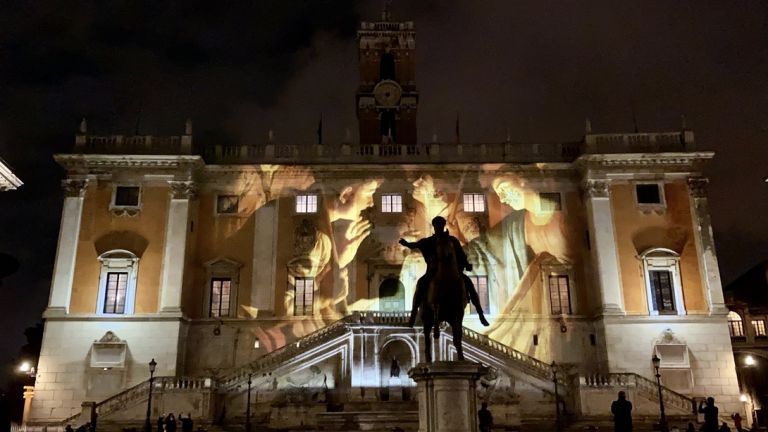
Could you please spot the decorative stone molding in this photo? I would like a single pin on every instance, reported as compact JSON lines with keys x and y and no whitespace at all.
{"x":596,"y":188}
{"x":698,"y":186}
{"x":182,"y":189}
{"x":109,"y":337}
{"x":125,"y":211}
{"x":74,"y":188}
{"x":668,"y":337}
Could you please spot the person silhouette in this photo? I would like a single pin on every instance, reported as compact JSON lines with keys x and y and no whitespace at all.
{"x":622,"y":413}
{"x":484,"y":418}
{"x":427,"y":247}
{"x":711,"y":413}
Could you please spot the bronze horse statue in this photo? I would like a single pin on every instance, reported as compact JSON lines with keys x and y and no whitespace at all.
{"x":446,"y":296}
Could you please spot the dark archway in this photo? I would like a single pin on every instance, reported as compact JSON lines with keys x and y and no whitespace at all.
{"x":387,"y":66}
{"x":391,"y":295}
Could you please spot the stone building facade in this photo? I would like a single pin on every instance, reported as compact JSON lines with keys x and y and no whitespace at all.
{"x":279,"y":264}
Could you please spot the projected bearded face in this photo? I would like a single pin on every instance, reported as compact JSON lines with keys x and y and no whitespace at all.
{"x":424,"y":187}
{"x":511,"y":191}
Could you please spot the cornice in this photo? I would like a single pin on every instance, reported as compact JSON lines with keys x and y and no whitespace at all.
{"x":8,"y":180}
{"x":661,"y":160}
{"x":97,"y":161}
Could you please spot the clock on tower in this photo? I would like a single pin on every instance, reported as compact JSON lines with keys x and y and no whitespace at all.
{"x":387,"y":99}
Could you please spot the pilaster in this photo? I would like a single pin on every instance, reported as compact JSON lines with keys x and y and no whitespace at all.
{"x":603,"y":246}
{"x":174,"y":255}
{"x":705,"y":245}
{"x":66,"y":250}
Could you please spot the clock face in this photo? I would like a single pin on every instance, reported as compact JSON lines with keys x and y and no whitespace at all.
{"x":387,"y":93}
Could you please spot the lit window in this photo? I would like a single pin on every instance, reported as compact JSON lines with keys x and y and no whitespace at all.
{"x":759,"y":326}
{"x":117,"y":282}
{"x":392,"y":203}
{"x":127,"y":196}
{"x":559,"y":295}
{"x":550,"y":201}
{"x":306,"y":203}
{"x":474,"y":202}
{"x":227,"y":204}
{"x":117,"y":286}
{"x":735,"y":324}
{"x":649,"y":193}
{"x":481,"y":286}
{"x":221,"y":289}
{"x":304,"y":295}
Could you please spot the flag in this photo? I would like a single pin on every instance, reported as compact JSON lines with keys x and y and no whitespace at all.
{"x":320,"y":130}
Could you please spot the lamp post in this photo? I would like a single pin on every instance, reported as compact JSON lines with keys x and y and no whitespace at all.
{"x":248,"y":404}
{"x":148,"y":422}
{"x":663,"y":421}
{"x":557,"y":397}
{"x":27,"y":369}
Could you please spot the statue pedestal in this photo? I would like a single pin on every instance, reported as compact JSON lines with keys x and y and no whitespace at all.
{"x":395,"y":389}
{"x":446,"y":392}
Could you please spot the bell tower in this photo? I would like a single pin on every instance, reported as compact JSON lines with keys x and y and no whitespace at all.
{"x":387,"y":99}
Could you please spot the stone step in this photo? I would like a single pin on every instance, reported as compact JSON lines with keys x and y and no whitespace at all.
{"x":373,"y":421}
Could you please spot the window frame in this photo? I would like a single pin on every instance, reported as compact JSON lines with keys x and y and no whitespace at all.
{"x":306,"y":194}
{"x":212,"y":281}
{"x":310,"y":311}
{"x":221,"y":268}
{"x":118,"y":261}
{"x":662,"y":259}
{"x":113,"y":203}
{"x":558,"y":277}
{"x":662,"y":204}
{"x":473,"y":210}
{"x":740,"y":322}
{"x":760,"y":330}
{"x":391,"y":204}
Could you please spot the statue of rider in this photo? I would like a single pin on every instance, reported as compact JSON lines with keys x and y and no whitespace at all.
{"x":427,"y":246}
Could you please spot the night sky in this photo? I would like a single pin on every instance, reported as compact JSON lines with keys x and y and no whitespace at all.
{"x":535,"y":69}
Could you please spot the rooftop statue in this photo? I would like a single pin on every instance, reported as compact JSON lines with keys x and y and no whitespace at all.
{"x":444,"y":290}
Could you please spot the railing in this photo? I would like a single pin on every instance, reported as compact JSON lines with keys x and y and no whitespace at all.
{"x":278,"y":356}
{"x":528,"y":363}
{"x":639,"y":142}
{"x":141,"y":391}
{"x":378,"y":317}
{"x":138,"y":144}
{"x":644,"y":386}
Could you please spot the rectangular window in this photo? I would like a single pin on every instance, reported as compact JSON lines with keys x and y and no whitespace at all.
{"x":662,"y":290}
{"x":391,"y":203}
{"x":304,"y":296}
{"x":550,"y":201}
{"x":127,"y":196}
{"x":759,"y":326}
{"x":306,"y":203}
{"x":736,"y":328}
{"x":117,"y":285}
{"x":648,"y":193}
{"x":474,"y":202}
{"x":227,"y":204}
{"x":221,"y":290}
{"x":481,"y":286}
{"x":559,"y":295}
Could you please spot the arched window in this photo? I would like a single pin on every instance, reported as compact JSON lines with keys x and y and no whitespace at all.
{"x":735,"y":324}
{"x":662,"y":281}
{"x":117,"y":282}
{"x":387,"y":66}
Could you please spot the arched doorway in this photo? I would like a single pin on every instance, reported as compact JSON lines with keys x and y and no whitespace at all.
{"x":396,"y":357}
{"x":391,"y":295}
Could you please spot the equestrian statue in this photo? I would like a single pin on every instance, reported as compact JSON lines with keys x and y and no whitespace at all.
{"x":444,"y":290}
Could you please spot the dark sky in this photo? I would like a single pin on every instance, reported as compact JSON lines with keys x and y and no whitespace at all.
{"x":536,"y":69}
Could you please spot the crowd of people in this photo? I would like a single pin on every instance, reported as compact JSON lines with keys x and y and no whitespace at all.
{"x":169,"y":423}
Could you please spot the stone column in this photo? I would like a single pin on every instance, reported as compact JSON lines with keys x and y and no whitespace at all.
{"x":603,"y":244}
{"x":446,"y":392}
{"x":705,"y":245}
{"x":174,"y":255}
{"x":66,"y":251}
{"x":29,"y":393}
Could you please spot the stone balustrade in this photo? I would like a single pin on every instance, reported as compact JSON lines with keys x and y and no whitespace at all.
{"x":642,"y":385}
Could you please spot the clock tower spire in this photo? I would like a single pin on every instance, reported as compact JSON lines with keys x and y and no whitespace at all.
{"x":387,"y":99}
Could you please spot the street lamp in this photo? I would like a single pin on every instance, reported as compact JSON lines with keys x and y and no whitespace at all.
{"x":248,"y":404}
{"x":557,"y":397}
{"x":148,"y":423}
{"x":27,"y":369}
{"x":749,"y":361}
{"x":663,"y":421}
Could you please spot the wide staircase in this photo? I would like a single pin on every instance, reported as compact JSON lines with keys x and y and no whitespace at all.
{"x":205,"y":396}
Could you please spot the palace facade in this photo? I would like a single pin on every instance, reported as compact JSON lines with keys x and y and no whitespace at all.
{"x":275,"y":267}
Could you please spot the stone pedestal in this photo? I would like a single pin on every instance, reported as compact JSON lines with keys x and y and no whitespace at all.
{"x":446,"y":393}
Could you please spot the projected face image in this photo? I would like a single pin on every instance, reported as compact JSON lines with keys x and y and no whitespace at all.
{"x":355,"y":198}
{"x":511,"y":191}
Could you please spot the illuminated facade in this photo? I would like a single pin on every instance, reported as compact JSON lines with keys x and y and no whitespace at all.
{"x":282,"y":261}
